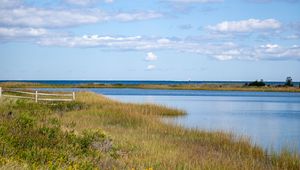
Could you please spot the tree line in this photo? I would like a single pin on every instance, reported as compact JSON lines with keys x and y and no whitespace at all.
{"x":261,"y":83}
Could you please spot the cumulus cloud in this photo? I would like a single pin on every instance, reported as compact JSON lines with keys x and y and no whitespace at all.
{"x":249,"y":25}
{"x":151,"y":67}
{"x":219,"y":51}
{"x":276,"y":52}
{"x":151,"y":57}
{"x":262,"y":52}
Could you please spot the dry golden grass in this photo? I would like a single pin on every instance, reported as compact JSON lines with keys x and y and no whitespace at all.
{"x":145,"y":142}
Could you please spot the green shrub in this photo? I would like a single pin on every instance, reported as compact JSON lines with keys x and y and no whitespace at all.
{"x":40,"y":141}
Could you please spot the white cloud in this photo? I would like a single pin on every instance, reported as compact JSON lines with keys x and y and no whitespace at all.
{"x":151,"y":57}
{"x":151,"y":67}
{"x":249,"y":25}
{"x":80,"y":2}
{"x":22,"y":32}
{"x":292,"y":37}
{"x":163,"y":41}
{"x":9,"y":3}
{"x":223,"y":57}
{"x":269,"y":49}
{"x":276,"y":52}
{"x":108,"y":42}
{"x":227,"y":54}
{"x":269,"y":1}
{"x":109,"y":1}
{"x":86,"y":2}
{"x":221,"y":51}
{"x":136,"y":16}
{"x":38,"y":17}
{"x":34,"y":17}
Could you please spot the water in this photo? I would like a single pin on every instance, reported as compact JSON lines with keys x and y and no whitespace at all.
{"x":136,"y":82}
{"x":270,"y":119}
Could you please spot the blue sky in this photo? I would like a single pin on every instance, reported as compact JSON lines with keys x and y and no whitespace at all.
{"x":150,"y":40}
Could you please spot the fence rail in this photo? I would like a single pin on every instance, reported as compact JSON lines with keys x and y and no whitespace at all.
{"x":38,"y":96}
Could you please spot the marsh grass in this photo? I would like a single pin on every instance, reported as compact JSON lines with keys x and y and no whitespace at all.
{"x":96,"y":132}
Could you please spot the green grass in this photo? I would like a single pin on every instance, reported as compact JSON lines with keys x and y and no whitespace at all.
{"x":96,"y":132}
{"x":219,"y":87}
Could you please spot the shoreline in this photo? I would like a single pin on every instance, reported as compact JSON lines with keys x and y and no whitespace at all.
{"x":211,"y":87}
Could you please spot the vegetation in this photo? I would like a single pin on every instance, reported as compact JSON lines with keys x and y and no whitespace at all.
{"x":96,"y":132}
{"x":257,"y":83}
{"x":289,"y":81}
{"x":221,"y":87}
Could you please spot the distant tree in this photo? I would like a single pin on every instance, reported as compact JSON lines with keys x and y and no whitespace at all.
{"x":257,"y":83}
{"x":289,"y":81}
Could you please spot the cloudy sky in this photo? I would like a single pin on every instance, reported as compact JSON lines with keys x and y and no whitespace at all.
{"x":149,"y":39}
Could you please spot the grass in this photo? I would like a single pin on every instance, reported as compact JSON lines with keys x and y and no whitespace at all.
{"x":96,"y":132}
{"x":219,"y":87}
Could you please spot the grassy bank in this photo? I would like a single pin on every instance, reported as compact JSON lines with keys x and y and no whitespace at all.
{"x":96,"y":132}
{"x":220,"y":87}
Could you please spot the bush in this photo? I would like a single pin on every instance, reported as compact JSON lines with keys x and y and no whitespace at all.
{"x":256,"y":83}
{"x":41,"y":143}
{"x":289,"y":81}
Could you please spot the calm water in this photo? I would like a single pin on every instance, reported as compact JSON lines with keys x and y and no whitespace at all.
{"x":75,"y":82}
{"x":270,"y":119}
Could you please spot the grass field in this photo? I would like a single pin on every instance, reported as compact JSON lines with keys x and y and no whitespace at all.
{"x":221,"y":87}
{"x":96,"y":132}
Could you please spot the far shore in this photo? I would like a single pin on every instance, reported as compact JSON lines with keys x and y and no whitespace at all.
{"x":212,"y":87}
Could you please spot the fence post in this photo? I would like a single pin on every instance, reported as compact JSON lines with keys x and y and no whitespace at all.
{"x":36,"y":96}
{"x":73,"y":95}
{"x":0,"y":92}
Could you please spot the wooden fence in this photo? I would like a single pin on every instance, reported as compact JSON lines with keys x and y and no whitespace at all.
{"x":37,"y":96}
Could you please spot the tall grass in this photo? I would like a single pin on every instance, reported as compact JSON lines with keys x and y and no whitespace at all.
{"x":96,"y":132}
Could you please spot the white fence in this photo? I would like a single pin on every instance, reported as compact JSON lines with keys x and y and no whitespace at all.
{"x":38,"y":96}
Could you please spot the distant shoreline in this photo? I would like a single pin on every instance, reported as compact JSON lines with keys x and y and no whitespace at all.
{"x":208,"y":86}
{"x":139,"y":82}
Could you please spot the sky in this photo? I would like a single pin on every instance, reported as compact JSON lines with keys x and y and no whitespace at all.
{"x":200,"y":40}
